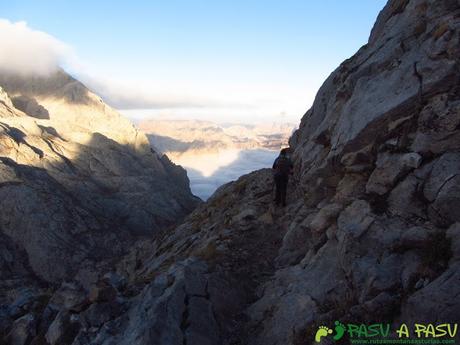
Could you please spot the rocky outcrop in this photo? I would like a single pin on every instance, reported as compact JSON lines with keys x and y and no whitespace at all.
{"x":78,"y":183}
{"x":380,"y":144}
{"x":185,"y":286}
{"x":370,"y":233}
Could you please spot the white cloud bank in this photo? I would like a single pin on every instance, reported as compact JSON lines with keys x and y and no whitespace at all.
{"x":246,"y":162}
{"x":28,"y":51}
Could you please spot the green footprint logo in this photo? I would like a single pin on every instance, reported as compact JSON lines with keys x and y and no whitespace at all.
{"x":339,"y":330}
{"x":322,"y":331}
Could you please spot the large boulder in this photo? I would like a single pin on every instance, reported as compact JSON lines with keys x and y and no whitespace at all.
{"x":442,"y":189}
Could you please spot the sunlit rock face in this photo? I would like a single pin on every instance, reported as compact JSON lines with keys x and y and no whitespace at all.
{"x":184,"y":135}
{"x":78,"y":181}
{"x":370,"y":233}
{"x":216,"y":154}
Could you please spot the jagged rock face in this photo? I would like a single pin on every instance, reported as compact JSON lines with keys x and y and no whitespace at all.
{"x":184,"y":286}
{"x":78,"y":183}
{"x":372,"y":222}
{"x":381,"y":145}
{"x":370,"y":233}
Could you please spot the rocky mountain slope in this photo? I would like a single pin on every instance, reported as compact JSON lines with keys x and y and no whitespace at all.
{"x":370,"y":233}
{"x":78,"y":183}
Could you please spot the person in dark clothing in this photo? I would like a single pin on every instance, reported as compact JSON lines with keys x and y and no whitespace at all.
{"x":282,"y":168}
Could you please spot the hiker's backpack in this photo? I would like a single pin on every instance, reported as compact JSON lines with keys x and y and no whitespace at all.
{"x":283,"y":165}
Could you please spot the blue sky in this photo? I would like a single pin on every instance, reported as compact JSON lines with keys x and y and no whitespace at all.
{"x":232,"y":60}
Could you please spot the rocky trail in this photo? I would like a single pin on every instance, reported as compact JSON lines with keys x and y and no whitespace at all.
{"x":237,"y":252}
{"x":371,"y":232}
{"x":250,"y":260}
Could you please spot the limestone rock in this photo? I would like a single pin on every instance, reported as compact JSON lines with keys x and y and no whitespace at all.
{"x":406,"y":198}
{"x":371,"y":225}
{"x":30,"y":107}
{"x":22,"y":330}
{"x":355,"y":219}
{"x":435,"y":299}
{"x":453,"y":234}
{"x":102,"y":292}
{"x":63,"y":329}
{"x":70,"y":296}
{"x":325,"y":217}
{"x":390,"y":167}
{"x":78,"y":182}
{"x":295,"y":244}
{"x":100,"y":313}
{"x":443,"y":190}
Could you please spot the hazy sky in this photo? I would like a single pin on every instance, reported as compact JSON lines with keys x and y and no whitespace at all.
{"x":220,"y":60}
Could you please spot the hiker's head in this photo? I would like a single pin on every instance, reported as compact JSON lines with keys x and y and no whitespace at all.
{"x":284,"y":152}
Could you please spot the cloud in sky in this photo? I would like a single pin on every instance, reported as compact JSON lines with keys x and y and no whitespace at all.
{"x":221,"y":102}
{"x":135,"y":93}
{"x":28,"y":51}
{"x":25,"y":50}
{"x":140,"y":97}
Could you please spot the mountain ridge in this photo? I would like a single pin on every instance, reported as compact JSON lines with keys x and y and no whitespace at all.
{"x":178,"y":136}
{"x":101,"y":170}
{"x":370,"y":233}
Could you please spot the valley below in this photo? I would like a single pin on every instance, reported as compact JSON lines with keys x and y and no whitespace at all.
{"x":102,"y":241}
{"x":215,"y":154}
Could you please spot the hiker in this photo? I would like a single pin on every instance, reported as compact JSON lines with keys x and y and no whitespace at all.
{"x":282,"y":167}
